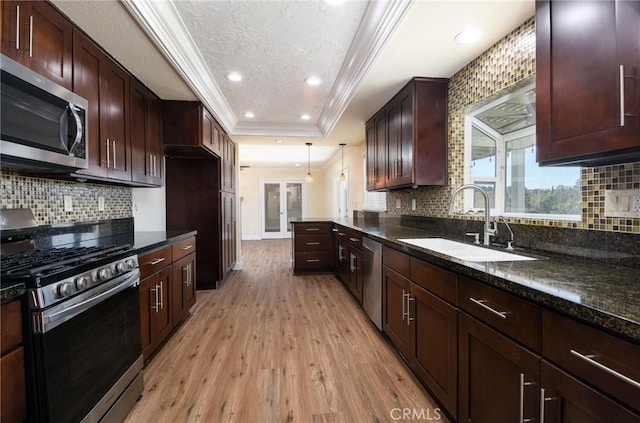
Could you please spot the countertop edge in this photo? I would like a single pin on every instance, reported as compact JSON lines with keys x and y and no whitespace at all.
{"x":169,"y":240}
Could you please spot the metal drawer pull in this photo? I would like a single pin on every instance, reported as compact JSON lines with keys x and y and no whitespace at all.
{"x":341,"y":233}
{"x":187,"y":247}
{"x":313,"y":229}
{"x":156,"y":261}
{"x":353,"y":239}
{"x":501,"y":314}
{"x":108,"y":163}
{"x":334,"y":229}
{"x":313,"y":243}
{"x":590,"y":359}
{"x":621,"y":95}
{"x":409,"y":318}
{"x":115,"y":166}
{"x":185,"y":275}
{"x":18,"y":27}
{"x":313,"y":260}
{"x":404,"y":305}
{"x":543,"y":399}
{"x":30,"y":36}
{"x":522,"y":385}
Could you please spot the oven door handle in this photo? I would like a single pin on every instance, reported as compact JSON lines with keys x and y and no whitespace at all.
{"x":49,"y":319}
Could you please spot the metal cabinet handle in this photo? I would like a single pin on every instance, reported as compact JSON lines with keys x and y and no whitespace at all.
{"x":155,"y":291}
{"x":313,"y":243}
{"x":188,"y":247}
{"x":353,"y":259}
{"x":341,"y":233}
{"x":115,"y":166}
{"x":334,"y":229}
{"x":522,"y":385}
{"x":185,"y":275}
{"x":108,"y":162}
{"x":353,"y":239}
{"x":409,"y":318}
{"x":161,"y":296}
{"x":156,"y":261}
{"x":154,"y":165}
{"x":30,"y":36}
{"x":590,"y":359}
{"x":340,"y":250}
{"x":313,"y":260}
{"x":621,"y":95}
{"x":312,"y":229}
{"x":501,"y":314}
{"x":404,"y":305}
{"x":18,"y":27}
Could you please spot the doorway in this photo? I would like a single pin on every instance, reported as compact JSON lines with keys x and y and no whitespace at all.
{"x":281,"y":200}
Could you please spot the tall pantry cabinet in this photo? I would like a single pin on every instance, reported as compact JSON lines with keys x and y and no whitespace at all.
{"x":200,"y":184}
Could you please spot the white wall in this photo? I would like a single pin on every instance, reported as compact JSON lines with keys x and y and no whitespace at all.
{"x":149,"y":209}
{"x":355,"y":181}
{"x":249,"y":192}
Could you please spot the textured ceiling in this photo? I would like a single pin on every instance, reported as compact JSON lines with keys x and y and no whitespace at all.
{"x":182,"y":49}
{"x":275,"y":45}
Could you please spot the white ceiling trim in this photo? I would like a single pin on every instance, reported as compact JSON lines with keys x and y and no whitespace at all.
{"x":162,"y":23}
{"x":277,"y":130}
{"x":378,"y":25}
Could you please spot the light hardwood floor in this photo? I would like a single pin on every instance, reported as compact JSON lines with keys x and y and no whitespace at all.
{"x":272,"y":347}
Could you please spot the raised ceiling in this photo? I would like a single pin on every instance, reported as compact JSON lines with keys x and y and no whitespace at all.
{"x":363,"y":51}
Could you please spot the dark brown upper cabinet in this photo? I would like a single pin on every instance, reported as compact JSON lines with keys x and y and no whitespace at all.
{"x":146,"y":135}
{"x":36,"y":35}
{"x":190,"y":130}
{"x":408,"y":137}
{"x":587,"y":88}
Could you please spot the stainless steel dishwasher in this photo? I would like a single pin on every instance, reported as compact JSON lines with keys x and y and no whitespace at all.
{"x":372,"y":280}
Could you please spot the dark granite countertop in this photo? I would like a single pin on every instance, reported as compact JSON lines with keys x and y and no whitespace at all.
{"x":604,"y":295}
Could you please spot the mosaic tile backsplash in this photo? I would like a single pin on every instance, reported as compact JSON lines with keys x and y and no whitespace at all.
{"x":504,"y":67}
{"x":46,"y":198}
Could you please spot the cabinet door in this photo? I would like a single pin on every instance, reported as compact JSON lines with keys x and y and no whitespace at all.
{"x":435,"y":346}
{"x":393,"y":143}
{"x":88,"y":63}
{"x":380,"y":123}
{"x":405,"y":136}
{"x":499,"y":379}
{"x":587,"y":86}
{"x":395,"y":323}
{"x":343,"y":262}
{"x":154,"y":140}
{"x":162,"y":323}
{"x":39,"y":37}
{"x":147,"y":309}
{"x":13,"y":402}
{"x":182,"y":287}
{"x":141,"y":160}
{"x":564,"y":399}
{"x":355,"y":273}
{"x":114,"y":120}
{"x":370,"y":142}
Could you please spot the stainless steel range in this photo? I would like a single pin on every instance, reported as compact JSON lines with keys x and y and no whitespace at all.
{"x":83,"y":348}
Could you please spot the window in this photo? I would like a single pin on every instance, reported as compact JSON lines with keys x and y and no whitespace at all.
{"x":501,"y":157}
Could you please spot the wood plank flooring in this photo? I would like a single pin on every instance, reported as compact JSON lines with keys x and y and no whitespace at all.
{"x":272,"y":347}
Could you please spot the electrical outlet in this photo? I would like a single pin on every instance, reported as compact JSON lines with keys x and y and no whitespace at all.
{"x":101,"y":203}
{"x":622,"y":203}
{"x":398,"y":203}
{"x":68,"y":203}
{"x":636,"y":203}
{"x":413,"y":204}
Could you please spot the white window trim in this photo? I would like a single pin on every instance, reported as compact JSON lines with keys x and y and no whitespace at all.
{"x":500,"y":179}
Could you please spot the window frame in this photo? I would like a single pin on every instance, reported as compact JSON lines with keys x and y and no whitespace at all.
{"x":500,"y":179}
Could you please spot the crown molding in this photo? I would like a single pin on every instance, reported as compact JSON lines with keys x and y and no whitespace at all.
{"x":162,"y":23}
{"x":378,"y":25}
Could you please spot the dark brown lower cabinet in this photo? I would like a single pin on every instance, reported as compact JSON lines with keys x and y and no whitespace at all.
{"x":395,"y":320}
{"x":155,"y":315}
{"x":499,"y":379}
{"x":434,"y":350}
{"x":183,"y":287}
{"x":565,"y":399}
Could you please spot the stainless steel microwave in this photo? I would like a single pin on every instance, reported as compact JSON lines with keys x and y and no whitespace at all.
{"x":43,"y":124}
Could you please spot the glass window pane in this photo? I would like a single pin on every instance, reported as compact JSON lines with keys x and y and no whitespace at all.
{"x":294,"y":202}
{"x":478,"y":198}
{"x":483,"y":154}
{"x":533,"y":189}
{"x":272,"y":207}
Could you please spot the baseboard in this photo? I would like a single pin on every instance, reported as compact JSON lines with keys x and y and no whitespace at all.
{"x":238,"y":265}
{"x":251,"y":237}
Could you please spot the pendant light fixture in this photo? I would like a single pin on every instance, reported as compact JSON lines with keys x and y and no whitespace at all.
{"x":342,"y":177}
{"x":309,"y":177}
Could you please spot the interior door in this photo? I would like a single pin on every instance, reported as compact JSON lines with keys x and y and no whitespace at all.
{"x":282,"y":201}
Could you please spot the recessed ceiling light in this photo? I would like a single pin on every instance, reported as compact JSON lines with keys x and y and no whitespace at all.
{"x":278,"y":140}
{"x":249,"y":115}
{"x":468,"y":36}
{"x":234,"y":76}
{"x":305,"y":116}
{"x":313,"y":81}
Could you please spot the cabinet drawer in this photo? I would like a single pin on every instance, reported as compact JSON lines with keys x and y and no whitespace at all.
{"x":312,"y":228}
{"x":184,"y":247}
{"x":435,"y":279}
{"x":11,"y":323}
{"x":354,"y":238}
{"x":602,"y":360}
{"x":13,"y":404}
{"x":507,"y":313}
{"x":312,"y":243}
{"x":155,"y":260}
{"x":397,"y":261}
{"x":313,"y":261}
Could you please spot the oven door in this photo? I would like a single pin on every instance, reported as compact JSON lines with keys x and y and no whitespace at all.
{"x":78,"y":361}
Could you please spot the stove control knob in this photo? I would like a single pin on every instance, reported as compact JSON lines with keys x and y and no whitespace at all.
{"x":122,"y":267}
{"x":82,"y":283}
{"x":130,"y":263}
{"x":104,"y":274}
{"x":65,"y":289}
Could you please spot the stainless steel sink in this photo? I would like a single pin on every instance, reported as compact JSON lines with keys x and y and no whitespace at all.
{"x":464,"y":251}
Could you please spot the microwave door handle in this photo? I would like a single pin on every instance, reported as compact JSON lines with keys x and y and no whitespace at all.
{"x":79,"y":129}
{"x":64,"y":121}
